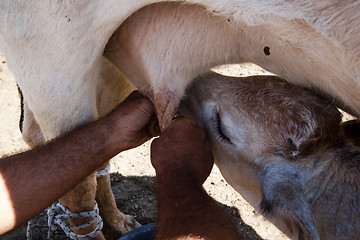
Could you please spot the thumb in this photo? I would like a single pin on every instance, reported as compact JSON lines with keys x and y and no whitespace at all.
{"x":152,"y":128}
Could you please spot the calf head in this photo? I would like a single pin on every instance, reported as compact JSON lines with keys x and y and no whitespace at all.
{"x":248,"y":117}
{"x":256,"y":125}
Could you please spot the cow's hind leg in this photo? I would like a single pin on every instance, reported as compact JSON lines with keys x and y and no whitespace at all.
{"x":81,"y":199}
{"x":116,"y":223}
{"x":113,"y":89}
{"x":46,"y":118}
{"x":110,"y":92}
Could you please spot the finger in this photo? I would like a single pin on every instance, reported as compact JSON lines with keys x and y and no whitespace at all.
{"x":153,"y":128}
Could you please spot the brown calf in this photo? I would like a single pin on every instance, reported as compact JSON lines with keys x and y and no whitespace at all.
{"x":283,"y":148}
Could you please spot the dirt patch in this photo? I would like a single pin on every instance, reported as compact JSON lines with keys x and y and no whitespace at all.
{"x":132,"y":173}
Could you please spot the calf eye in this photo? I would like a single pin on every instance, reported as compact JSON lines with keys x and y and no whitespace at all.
{"x":220,"y":129}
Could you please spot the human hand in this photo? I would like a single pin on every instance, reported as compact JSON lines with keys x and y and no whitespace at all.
{"x":182,"y":147}
{"x":134,"y":122}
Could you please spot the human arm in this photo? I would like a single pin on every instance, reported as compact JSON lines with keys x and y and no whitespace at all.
{"x":183,"y":160}
{"x":31,"y":181}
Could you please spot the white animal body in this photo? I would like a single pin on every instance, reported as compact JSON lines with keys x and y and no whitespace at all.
{"x":55,"y":49}
{"x":161,"y":53}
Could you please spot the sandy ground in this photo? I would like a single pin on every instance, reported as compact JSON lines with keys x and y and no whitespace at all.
{"x":132,"y":174}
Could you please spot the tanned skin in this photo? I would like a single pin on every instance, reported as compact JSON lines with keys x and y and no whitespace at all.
{"x":183,"y":160}
{"x":32,"y":180}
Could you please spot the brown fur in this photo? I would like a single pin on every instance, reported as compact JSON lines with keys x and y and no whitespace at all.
{"x":308,"y":185}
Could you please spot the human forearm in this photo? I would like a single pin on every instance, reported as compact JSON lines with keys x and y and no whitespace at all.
{"x":33,"y":180}
{"x":183,"y":160}
{"x":186,"y":210}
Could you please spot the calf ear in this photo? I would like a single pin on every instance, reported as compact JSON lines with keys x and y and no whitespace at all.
{"x":283,"y":195}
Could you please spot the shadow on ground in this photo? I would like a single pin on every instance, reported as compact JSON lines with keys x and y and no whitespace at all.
{"x":134,"y":195}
